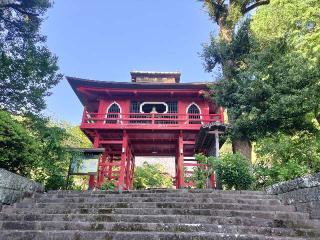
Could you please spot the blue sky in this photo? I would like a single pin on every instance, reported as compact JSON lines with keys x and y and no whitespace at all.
{"x":105,"y":40}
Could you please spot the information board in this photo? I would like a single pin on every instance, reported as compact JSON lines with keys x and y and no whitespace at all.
{"x":85,"y":164}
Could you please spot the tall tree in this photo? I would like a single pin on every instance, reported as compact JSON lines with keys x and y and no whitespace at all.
{"x":28,"y":70}
{"x":274,"y":83}
{"x":296,"y":23}
{"x":277,"y":86}
{"x":227,"y":15}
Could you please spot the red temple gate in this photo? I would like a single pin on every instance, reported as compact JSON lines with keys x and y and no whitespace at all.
{"x":153,"y":115}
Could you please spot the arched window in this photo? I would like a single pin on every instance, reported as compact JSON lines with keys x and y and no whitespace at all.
{"x":193,"y":112}
{"x":113,"y":112}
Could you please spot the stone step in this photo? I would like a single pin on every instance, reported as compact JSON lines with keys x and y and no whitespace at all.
{"x":151,"y":191}
{"x":154,"y":227}
{"x":93,"y":199}
{"x":148,"y":194}
{"x":269,"y":215}
{"x":277,"y":221}
{"x":159,"y":205}
{"x":105,"y":235}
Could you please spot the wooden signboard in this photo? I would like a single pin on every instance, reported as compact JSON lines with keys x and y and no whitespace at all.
{"x":85,"y":161}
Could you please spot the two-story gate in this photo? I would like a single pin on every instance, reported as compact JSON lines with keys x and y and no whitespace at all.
{"x":153,"y":115}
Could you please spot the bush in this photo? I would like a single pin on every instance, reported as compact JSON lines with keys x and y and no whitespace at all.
{"x":200,"y":174}
{"x":18,"y":148}
{"x":151,"y":176}
{"x":108,"y":185}
{"x":234,"y":172}
{"x":34,"y":147}
{"x":282,"y":157}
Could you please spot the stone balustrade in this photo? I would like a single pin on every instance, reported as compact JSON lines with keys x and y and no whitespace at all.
{"x":303,"y":193}
{"x":14,"y":187}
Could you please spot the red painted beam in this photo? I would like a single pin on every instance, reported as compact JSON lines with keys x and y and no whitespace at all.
{"x":189,"y":142}
{"x":90,"y":90}
{"x":111,"y":142}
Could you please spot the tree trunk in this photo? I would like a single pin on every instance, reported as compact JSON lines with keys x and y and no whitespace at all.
{"x":239,"y":145}
{"x":242,"y":146}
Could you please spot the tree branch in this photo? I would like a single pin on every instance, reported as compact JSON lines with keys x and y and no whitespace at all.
{"x":246,"y":9}
{"x":244,"y":5}
{"x":19,"y":9}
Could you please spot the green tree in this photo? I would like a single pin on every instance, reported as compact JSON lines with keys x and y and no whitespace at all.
{"x":151,"y":176}
{"x":76,"y":138}
{"x":226,"y":50}
{"x":277,"y":87}
{"x":282,"y":157}
{"x":28,"y":70}
{"x":38,"y":148}
{"x":274,"y":83}
{"x":19,"y":151}
{"x":54,"y":157}
{"x":232,"y":170}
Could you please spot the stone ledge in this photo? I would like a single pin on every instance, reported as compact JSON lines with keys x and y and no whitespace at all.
{"x":303,"y":193}
{"x":298,"y":183}
{"x":14,"y":187}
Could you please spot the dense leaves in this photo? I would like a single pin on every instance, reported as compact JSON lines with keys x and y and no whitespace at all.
{"x":282,"y":157}
{"x":151,"y":176}
{"x":28,"y":70}
{"x":227,"y":51}
{"x":277,"y":91}
{"x":18,"y":149}
{"x":35,"y":147}
{"x":233,"y":171}
{"x":274,"y":81}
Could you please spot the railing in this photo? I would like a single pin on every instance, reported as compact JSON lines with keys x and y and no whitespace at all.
{"x":150,"y":118}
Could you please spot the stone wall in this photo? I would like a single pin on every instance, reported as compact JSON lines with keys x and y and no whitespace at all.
{"x":303,"y":193}
{"x":14,"y":187}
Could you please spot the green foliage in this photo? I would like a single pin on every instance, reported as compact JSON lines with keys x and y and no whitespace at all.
{"x":282,"y":157}
{"x":54,"y":158}
{"x":220,"y":52}
{"x":201,"y":174}
{"x":76,"y":139}
{"x":28,"y":70}
{"x":36,"y":148}
{"x":268,"y":99}
{"x":151,"y":176}
{"x":18,"y":149}
{"x":274,"y":85}
{"x":234,"y":171}
{"x":108,"y":185}
{"x":30,"y":145}
{"x":296,"y":20}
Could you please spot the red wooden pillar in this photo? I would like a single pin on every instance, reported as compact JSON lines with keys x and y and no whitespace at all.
{"x":180,"y":159}
{"x":123,"y":160}
{"x":110,"y":166}
{"x":128,"y":168}
{"x":102,"y":169}
{"x":132,"y":171}
{"x":92,"y":181}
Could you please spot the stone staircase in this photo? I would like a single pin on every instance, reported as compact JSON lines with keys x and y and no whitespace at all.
{"x":155,"y":214}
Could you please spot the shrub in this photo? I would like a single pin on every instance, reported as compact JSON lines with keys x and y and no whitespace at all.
{"x":234,"y":171}
{"x":18,"y":148}
{"x":282,"y":157}
{"x":200,"y":174}
{"x":151,"y":176}
{"x":108,"y":185}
